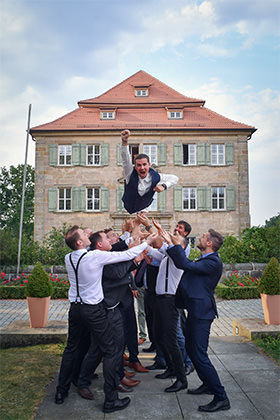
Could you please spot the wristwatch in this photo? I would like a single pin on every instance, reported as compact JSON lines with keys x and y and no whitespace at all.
{"x":164,"y":186}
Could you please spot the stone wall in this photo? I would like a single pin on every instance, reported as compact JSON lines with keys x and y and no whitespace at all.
{"x":253,"y":269}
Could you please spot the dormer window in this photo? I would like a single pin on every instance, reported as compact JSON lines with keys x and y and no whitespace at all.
{"x":141,"y":92}
{"x":107,"y":115}
{"x":175,"y":115}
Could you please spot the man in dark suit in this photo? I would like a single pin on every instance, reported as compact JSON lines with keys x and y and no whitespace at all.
{"x":196,"y":294}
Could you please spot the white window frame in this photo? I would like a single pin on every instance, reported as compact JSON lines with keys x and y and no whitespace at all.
{"x":191,"y":154}
{"x":220,"y":198}
{"x":154,"y":205}
{"x":95,"y":155}
{"x":94,"y":198}
{"x":107,"y":115}
{"x":175,"y":115}
{"x":217,"y":154}
{"x":64,"y":151}
{"x":141,"y":92}
{"x":64,"y":199}
{"x":189,"y":197}
{"x":152,"y":151}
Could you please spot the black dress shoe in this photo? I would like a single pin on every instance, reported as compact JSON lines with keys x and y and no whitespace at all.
{"x":150,"y":349}
{"x":215,"y":406}
{"x":177,"y":386}
{"x":156,"y":366}
{"x":202,"y":389}
{"x":189,"y":369}
{"x":111,"y":406}
{"x":124,"y":388}
{"x":59,"y":397}
{"x":165,"y":375}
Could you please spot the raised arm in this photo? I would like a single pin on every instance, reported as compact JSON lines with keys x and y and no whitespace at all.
{"x":126,"y":158}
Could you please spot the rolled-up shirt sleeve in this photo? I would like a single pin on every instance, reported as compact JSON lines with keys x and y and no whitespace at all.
{"x":126,"y":162}
{"x":168,"y":179}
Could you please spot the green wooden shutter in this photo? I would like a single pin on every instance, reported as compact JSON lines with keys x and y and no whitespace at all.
{"x":161,"y":154}
{"x":207,"y":154}
{"x":229,"y":154}
{"x":177,"y":198}
{"x":83,"y":152}
{"x":119,"y":158}
{"x":78,"y":199}
{"x":230,"y":197}
{"x":52,"y":192}
{"x":204,"y":198}
{"x":104,"y":154}
{"x":201,"y":154}
{"x":161,"y":201}
{"x":53,"y":154}
{"x":104,"y":199}
{"x":178,"y":154}
{"x":120,"y":191}
{"x":76,"y":151}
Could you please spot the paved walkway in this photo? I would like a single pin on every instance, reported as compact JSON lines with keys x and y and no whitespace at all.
{"x":16,"y":310}
{"x":250,"y":378}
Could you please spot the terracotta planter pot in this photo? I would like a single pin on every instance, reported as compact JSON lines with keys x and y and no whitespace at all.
{"x":38,"y":311}
{"x":271,"y":308}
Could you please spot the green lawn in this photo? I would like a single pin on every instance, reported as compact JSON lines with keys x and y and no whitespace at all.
{"x":270,"y":346}
{"x":25,"y":373}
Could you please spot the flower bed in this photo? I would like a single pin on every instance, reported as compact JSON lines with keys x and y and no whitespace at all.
{"x":14,"y":288}
{"x":237,"y":287}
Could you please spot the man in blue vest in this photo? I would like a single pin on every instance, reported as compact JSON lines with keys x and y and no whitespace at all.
{"x":141,"y":181}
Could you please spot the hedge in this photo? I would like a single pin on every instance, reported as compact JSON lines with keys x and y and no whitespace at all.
{"x":17,"y":292}
{"x":238,"y":292}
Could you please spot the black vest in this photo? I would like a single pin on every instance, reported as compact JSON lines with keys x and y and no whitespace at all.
{"x":133,"y":202}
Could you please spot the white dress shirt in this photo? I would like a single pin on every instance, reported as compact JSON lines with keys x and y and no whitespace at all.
{"x":144,"y":184}
{"x":90,"y":271}
{"x":174,"y":273}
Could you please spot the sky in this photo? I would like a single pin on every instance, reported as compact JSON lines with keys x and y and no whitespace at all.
{"x":54,"y":53}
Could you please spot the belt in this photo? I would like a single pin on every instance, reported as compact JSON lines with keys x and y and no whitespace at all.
{"x":166,"y":296}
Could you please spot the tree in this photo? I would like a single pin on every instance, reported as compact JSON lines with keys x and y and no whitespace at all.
{"x":11,"y":181}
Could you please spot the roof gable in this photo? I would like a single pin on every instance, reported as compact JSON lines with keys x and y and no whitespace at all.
{"x":123,"y":93}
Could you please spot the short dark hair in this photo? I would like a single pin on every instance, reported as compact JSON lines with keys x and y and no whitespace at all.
{"x":94,"y":238}
{"x":72,"y":236}
{"x":216,"y":238}
{"x":142,"y":156}
{"x":186,"y":225}
{"x":108,"y":230}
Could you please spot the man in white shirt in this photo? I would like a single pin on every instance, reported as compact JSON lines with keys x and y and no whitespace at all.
{"x":141,"y":181}
{"x":87,"y":311}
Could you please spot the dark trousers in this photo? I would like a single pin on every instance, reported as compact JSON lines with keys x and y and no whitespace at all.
{"x":130,"y":327}
{"x":116,"y":321}
{"x":96,"y":319}
{"x":149,"y":305}
{"x":77,"y":346}
{"x":166,"y":325}
{"x":197,"y":333}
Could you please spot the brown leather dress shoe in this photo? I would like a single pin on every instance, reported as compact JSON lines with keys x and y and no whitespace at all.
{"x":129,"y":382}
{"x":124,"y":388}
{"x":85,"y":393}
{"x":129,"y":374}
{"x":141,"y":340}
{"x":137,"y":367}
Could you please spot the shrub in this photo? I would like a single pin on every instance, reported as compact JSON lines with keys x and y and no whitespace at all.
{"x":237,"y":292}
{"x":269,"y":283}
{"x":38,"y":283}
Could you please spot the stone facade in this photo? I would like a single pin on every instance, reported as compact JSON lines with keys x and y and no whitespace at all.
{"x":106,"y":176}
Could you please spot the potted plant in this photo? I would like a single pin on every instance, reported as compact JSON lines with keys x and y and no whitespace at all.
{"x":269,"y":287}
{"x":38,"y":292}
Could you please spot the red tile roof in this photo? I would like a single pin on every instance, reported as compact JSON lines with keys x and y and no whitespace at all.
{"x":147,"y":112}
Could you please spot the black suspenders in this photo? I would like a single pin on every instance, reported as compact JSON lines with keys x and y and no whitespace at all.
{"x":76,"y":274}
